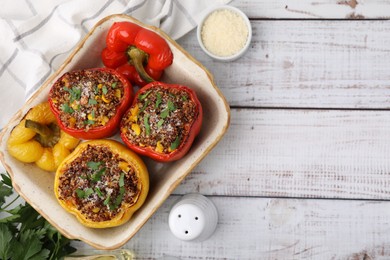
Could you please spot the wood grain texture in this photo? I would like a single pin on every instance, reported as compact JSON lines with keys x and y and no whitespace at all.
{"x":321,"y":9}
{"x":312,"y":64}
{"x":298,"y":153}
{"x":260,"y":228}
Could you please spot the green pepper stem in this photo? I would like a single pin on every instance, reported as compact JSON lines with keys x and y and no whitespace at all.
{"x":38,"y":128}
{"x":137,"y":58}
{"x":47,"y":135}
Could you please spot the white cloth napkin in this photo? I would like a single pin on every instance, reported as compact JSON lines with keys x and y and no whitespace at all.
{"x":37,"y":36}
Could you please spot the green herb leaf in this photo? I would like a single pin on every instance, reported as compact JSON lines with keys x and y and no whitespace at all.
{"x":176,"y":143}
{"x":122,"y":180}
{"x":88,"y":192}
{"x":113,"y":85}
{"x":97,"y":176}
{"x":6,"y":180}
{"x":144,"y":106}
{"x":99,"y":192}
{"x":89,"y":122}
{"x":105,"y":90}
{"x":32,"y":245}
{"x":146,"y":123}
{"x":119,"y":198}
{"x":92,"y":101}
{"x":80,"y":193}
{"x":171,"y":106}
{"x":184,"y":98}
{"x":160,"y":123}
{"x":164,"y":113}
{"x":158,"y":101}
{"x":145,"y":95}
{"x":94,"y":165}
{"x":75,"y":93}
{"x":5,"y":241}
{"x":107,"y":200}
{"x":4,"y":192}
{"x":66,"y":108}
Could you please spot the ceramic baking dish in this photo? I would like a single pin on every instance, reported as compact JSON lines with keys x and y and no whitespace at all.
{"x":36,"y":185}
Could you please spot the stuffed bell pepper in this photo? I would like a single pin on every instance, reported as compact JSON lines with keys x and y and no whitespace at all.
{"x":102,"y":183}
{"x":89,"y":104}
{"x":162,"y":122}
{"x":38,"y":139}
{"x":136,"y":52}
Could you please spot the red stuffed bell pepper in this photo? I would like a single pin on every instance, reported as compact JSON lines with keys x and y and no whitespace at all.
{"x":138,"y":53}
{"x":89,"y":104}
{"x":162,"y":122}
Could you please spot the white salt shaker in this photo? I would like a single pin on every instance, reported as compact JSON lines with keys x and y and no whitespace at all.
{"x":193,"y":218}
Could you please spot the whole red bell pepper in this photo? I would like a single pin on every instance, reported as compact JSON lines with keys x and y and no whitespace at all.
{"x":136,"y":52}
{"x":162,"y":121}
{"x":89,"y":104}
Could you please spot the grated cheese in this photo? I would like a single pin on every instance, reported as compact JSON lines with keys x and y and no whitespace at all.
{"x":224,"y":33}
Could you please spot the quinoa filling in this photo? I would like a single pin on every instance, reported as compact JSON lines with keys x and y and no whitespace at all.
{"x":161,"y":119}
{"x":99,"y":183}
{"x":87,"y":98}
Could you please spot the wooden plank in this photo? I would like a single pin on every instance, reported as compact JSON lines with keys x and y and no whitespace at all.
{"x":317,"y":64}
{"x":257,"y":228}
{"x":308,"y":9}
{"x":298,"y":153}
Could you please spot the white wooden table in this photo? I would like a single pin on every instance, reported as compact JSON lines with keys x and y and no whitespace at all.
{"x":304,"y":169}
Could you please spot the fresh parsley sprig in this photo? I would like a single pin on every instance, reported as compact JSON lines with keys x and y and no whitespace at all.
{"x":24,"y":234}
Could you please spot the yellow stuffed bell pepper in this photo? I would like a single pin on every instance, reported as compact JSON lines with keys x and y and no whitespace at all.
{"x":102,"y":183}
{"x":38,"y":139}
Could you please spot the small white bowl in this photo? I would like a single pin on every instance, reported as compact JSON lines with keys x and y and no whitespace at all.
{"x":228,"y":57}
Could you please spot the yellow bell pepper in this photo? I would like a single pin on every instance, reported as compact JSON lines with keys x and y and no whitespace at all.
{"x":38,"y":139}
{"x":102,"y":183}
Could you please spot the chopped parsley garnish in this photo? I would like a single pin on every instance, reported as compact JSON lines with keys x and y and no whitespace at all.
{"x":170,"y":108}
{"x":143,"y":96}
{"x":105,"y":90}
{"x":160,"y":123}
{"x":146,"y":123}
{"x":164,"y":113}
{"x":82,"y":194}
{"x":107,"y":200}
{"x":146,"y":104}
{"x":175,"y":143}
{"x":119,"y":198}
{"x":97,"y":176}
{"x":113,"y":85}
{"x":99,"y":192}
{"x":158,"y":101}
{"x":122,"y":180}
{"x":89,"y":122}
{"x":94,"y":165}
{"x":75,"y":93}
{"x":92,"y":101}
{"x":66,"y":108}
